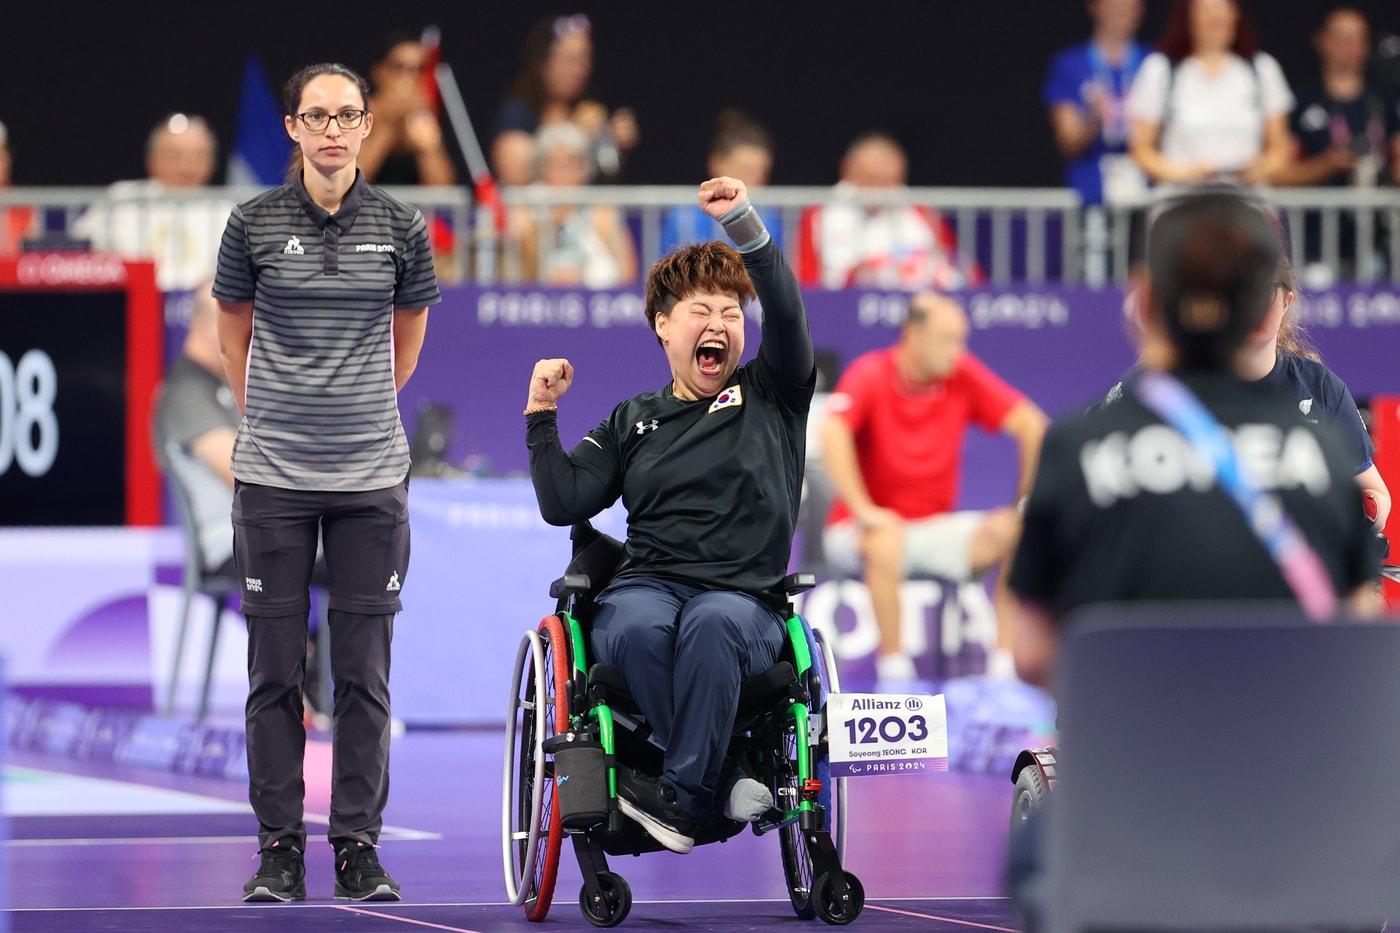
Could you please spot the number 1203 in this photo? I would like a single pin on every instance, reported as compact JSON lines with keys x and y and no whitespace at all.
{"x":867,"y":730}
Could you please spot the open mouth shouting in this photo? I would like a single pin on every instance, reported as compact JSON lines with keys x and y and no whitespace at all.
{"x":710,"y":357}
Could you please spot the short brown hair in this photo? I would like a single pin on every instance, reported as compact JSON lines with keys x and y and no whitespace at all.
{"x":699,"y":267}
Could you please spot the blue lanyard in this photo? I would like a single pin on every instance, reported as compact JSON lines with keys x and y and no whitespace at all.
{"x":1263,"y":511}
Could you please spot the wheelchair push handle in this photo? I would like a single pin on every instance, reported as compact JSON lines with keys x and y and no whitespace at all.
{"x":570,"y":584}
{"x":795,"y":583}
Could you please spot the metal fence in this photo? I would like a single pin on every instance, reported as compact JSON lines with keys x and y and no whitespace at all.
{"x":1000,"y":235}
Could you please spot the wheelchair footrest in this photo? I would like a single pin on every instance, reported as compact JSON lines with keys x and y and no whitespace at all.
{"x":774,"y":819}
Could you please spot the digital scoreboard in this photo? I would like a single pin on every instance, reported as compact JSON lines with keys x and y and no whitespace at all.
{"x":80,"y":358}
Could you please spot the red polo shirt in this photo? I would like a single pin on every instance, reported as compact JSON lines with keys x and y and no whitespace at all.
{"x":909,"y":436}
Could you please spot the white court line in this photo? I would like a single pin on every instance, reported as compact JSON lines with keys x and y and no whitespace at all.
{"x":964,"y":923}
{"x":303,"y":906}
{"x":249,"y":839}
{"x":420,"y":923}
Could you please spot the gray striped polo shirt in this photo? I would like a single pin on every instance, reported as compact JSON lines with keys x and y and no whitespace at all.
{"x":322,"y":412}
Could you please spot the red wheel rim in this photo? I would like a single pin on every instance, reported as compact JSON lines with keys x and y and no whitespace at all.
{"x":547,"y":860}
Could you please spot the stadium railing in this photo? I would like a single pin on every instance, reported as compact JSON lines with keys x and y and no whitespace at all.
{"x":1023,"y":235}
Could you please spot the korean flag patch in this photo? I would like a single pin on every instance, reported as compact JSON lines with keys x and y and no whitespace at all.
{"x":729,"y":398}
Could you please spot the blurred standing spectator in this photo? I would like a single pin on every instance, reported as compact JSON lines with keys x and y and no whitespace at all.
{"x":741,"y":149}
{"x":1208,"y":104}
{"x":154,"y":218}
{"x":564,"y":245}
{"x":15,"y":221}
{"x":845,"y":245}
{"x":1086,"y":92}
{"x":552,"y":87}
{"x":406,"y":147}
{"x":1347,"y":131}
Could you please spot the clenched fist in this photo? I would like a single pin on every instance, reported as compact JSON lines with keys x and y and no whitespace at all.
{"x":548,"y":383}
{"x":719,"y":196}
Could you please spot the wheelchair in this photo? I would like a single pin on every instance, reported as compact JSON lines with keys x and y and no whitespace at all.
{"x":560,"y":700}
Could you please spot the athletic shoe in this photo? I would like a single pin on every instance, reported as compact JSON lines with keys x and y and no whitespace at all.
{"x":653,"y":804}
{"x":360,"y":877}
{"x":281,"y":874}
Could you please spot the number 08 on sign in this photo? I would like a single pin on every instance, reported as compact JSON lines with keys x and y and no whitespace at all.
{"x":881,"y":733}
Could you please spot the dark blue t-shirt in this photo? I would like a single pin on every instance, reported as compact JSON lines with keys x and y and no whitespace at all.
{"x":1074,"y":76}
{"x":1364,"y":124}
{"x":1321,"y":395}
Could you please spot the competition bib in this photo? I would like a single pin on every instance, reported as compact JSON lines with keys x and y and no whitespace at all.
{"x":882,"y":733}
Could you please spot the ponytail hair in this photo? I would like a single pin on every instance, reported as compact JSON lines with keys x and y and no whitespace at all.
{"x":291,"y":100}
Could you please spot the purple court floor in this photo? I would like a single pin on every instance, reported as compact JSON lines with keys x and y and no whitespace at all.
{"x":107,"y":849}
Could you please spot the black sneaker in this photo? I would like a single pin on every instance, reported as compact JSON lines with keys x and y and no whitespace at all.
{"x":360,"y":877}
{"x":281,"y":874}
{"x":652,"y":803}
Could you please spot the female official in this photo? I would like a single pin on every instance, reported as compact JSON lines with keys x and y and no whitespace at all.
{"x":324,"y":285}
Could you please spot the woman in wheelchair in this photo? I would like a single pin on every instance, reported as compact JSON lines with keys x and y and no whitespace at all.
{"x":709,"y":468}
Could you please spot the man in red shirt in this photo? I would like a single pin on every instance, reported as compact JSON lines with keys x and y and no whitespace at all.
{"x":892,"y":440}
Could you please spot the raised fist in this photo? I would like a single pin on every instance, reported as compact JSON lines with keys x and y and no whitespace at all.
{"x":548,"y":383}
{"x":719,"y":196}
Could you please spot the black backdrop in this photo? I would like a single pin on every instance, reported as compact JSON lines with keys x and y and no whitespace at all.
{"x":957,"y":81}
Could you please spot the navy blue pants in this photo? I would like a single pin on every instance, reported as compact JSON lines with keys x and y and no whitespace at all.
{"x":684,"y":651}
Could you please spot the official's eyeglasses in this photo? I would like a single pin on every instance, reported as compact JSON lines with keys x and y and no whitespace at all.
{"x":317,"y":120}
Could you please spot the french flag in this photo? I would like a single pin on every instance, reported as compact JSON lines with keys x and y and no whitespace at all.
{"x":260,"y":144}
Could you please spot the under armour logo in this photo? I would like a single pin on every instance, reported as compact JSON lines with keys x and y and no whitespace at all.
{"x":393,"y":586}
{"x":644,"y":426}
{"x":294,"y":247}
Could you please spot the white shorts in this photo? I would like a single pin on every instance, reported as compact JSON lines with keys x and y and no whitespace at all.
{"x":938,"y":546}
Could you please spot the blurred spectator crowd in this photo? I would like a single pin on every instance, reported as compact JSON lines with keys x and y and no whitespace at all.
{"x":1202,"y":104}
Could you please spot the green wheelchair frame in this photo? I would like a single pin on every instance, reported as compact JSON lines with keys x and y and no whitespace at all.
{"x":780,"y":728}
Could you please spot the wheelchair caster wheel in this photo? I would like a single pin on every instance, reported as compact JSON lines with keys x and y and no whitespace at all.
{"x":613,"y":904}
{"x":836,"y":910}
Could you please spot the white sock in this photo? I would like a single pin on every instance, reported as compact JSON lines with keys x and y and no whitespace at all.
{"x":748,"y":800}
{"x":895,"y":667}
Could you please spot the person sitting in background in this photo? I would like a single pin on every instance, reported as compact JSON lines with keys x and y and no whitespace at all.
{"x":15,"y":221}
{"x":150,"y":219}
{"x":1208,"y":104}
{"x":552,"y":87}
{"x":1346,"y":132}
{"x":892,"y":441}
{"x":196,"y":421}
{"x":565,"y":245}
{"x":1086,"y":92}
{"x":741,"y":149}
{"x":406,"y":147}
{"x":849,"y":245}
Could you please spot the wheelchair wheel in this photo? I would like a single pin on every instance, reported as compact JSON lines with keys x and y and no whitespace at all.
{"x":838,"y":911}
{"x":833,"y":795}
{"x":531,"y":828}
{"x":612,"y":907}
{"x":797,"y":864}
{"x":1029,"y":795}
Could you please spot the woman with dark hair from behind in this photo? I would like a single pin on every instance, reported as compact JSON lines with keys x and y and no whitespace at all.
{"x":338,"y":277}
{"x":1278,"y":355}
{"x":552,"y":87}
{"x":1209,"y":104}
{"x":1121,"y":510}
{"x":742,"y":149}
